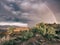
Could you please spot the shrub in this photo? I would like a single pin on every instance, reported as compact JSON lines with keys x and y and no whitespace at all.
{"x":41,"y":27}
{"x":11,"y":30}
{"x":46,"y":30}
{"x":25,"y":35}
{"x":10,"y":42}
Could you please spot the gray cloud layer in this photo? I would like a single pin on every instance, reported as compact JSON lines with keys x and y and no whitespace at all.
{"x":30,"y":11}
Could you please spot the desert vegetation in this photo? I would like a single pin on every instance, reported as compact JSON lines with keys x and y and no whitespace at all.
{"x":41,"y":34}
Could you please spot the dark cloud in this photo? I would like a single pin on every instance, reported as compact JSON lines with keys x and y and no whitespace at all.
{"x":14,"y":6}
{"x":30,"y":11}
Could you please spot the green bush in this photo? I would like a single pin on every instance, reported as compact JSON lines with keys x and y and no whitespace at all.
{"x":41,"y":27}
{"x":46,"y":30}
{"x":25,"y":35}
{"x":10,"y":42}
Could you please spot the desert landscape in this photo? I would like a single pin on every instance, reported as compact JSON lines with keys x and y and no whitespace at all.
{"x":29,"y":22}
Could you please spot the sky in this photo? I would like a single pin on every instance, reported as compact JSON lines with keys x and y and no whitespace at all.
{"x":30,"y":11}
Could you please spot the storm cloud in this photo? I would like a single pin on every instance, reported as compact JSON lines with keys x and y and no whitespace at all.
{"x":30,"y":11}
